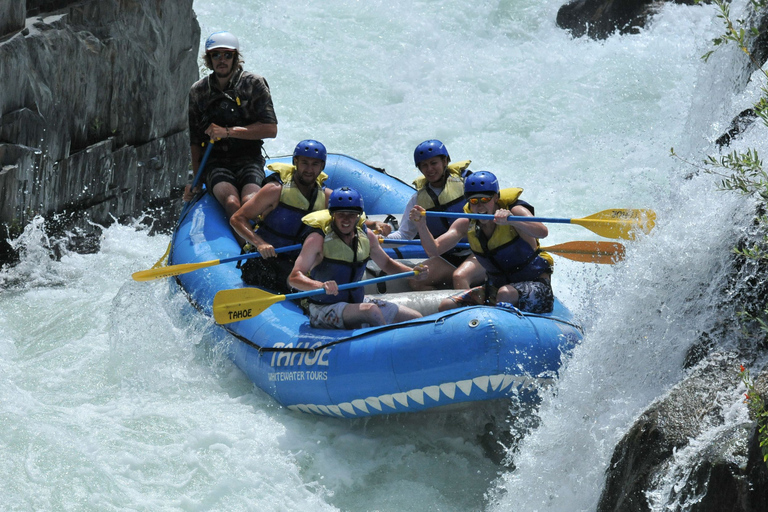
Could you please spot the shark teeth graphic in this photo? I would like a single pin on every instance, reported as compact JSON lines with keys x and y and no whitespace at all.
{"x":442,"y":394}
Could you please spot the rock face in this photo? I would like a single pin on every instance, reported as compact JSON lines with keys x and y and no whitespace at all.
{"x":93,"y":107}
{"x":599,"y":19}
{"x":682,"y":455}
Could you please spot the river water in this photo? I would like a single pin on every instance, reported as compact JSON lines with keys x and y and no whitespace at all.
{"x":111,"y":400}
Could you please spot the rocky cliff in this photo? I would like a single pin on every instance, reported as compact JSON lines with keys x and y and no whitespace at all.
{"x":93,"y":109}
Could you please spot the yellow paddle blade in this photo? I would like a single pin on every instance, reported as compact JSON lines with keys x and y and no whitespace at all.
{"x":172,"y":270}
{"x":619,"y":222}
{"x":241,"y":304}
{"x":589,"y":252}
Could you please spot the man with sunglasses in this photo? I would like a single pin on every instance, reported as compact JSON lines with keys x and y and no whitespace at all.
{"x":440,"y":188}
{"x":233,"y":108}
{"x":519,"y":273}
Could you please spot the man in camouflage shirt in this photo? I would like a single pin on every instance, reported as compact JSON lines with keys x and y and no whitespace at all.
{"x":233,"y":108}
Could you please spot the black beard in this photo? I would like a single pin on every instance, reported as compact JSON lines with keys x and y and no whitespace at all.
{"x":220,"y":75}
{"x":300,"y":181}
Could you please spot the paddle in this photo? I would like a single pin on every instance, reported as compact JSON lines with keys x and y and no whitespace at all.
{"x":161,"y":262}
{"x":243,"y":303}
{"x":615,"y":223}
{"x":202,"y":164}
{"x":183,"y":268}
{"x":587,"y":251}
{"x":198,"y":176}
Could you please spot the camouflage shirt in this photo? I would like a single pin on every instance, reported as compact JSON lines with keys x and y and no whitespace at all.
{"x":245,"y":100}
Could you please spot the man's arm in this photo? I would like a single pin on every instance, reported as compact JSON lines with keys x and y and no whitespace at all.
{"x":444,"y":242}
{"x":254,"y":131}
{"x":258,"y":206}
{"x":311,"y":254}
{"x":528,"y":231}
{"x":387,"y":264}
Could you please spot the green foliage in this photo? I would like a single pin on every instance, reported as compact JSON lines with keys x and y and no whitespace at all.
{"x":757,"y":409}
{"x":735,"y":33}
{"x":743,"y":172}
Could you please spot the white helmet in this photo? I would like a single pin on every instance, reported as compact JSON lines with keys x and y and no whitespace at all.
{"x":221,"y":40}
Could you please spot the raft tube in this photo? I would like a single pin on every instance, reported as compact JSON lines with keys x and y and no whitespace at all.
{"x":464,"y":355}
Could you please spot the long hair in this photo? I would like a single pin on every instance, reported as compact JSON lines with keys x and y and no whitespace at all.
{"x":237,"y":63}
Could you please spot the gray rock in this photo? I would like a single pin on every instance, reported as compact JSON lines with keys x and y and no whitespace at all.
{"x":599,"y":19}
{"x":93,"y":109}
{"x":721,"y":472}
{"x":11,"y":16}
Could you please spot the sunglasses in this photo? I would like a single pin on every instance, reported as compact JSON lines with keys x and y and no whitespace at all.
{"x":220,"y":55}
{"x":476,"y":200}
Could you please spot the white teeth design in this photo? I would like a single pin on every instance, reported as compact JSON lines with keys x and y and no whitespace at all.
{"x":442,"y":394}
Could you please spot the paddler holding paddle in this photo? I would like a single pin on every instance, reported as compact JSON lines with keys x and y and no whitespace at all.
{"x":288,"y":194}
{"x":232,"y":108}
{"x":519,"y":273}
{"x":336,"y":254}
{"x":439,"y":189}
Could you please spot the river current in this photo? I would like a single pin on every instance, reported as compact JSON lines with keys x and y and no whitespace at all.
{"x":111,"y":400}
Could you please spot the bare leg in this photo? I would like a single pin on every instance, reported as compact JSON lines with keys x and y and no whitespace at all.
{"x":508,"y":293}
{"x":447,"y":304}
{"x":405,"y":313}
{"x":228,"y":196}
{"x":355,"y":315}
{"x":248,"y":192}
{"x":440,"y":276}
{"x":470,"y":273}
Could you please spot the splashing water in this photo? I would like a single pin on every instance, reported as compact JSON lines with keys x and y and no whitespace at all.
{"x":113,"y":400}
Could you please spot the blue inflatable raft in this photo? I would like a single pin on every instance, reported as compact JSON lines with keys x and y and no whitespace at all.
{"x":464,"y":355}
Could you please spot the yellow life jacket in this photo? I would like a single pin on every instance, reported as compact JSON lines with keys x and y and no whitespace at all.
{"x":321,"y":220}
{"x":454,"y":187}
{"x":450,"y":199}
{"x":290,"y":194}
{"x":501,"y":235}
{"x":282,"y":226}
{"x":341,"y":263}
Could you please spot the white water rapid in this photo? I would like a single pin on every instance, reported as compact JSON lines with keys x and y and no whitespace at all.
{"x":110,"y":400}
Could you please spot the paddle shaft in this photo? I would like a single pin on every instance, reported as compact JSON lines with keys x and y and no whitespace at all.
{"x":183,"y":268}
{"x":587,"y":252}
{"x":615,"y":223}
{"x":394,"y":241}
{"x":198,"y":176}
{"x":201,"y":167}
{"x":287,"y":248}
{"x":348,"y":286}
{"x":485,"y":216}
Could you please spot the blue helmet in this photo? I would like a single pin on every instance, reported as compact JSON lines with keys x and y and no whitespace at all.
{"x":428,"y":149}
{"x":345,"y":199}
{"x":481,"y":182}
{"x":221,"y":40}
{"x":311,"y":149}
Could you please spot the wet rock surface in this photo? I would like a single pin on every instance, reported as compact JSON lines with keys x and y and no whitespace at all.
{"x":93,"y":109}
